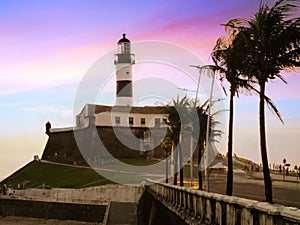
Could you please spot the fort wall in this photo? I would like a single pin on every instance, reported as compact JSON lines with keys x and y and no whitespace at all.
{"x":98,"y":143}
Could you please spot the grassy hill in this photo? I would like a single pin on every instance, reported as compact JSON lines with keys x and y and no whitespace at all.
{"x":38,"y":174}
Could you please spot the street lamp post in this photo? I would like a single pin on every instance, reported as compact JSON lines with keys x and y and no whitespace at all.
{"x":201,"y":68}
{"x":207,"y":133}
{"x":191,"y":144}
{"x":191,"y":140}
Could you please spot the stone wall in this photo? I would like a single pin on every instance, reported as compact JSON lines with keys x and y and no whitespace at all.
{"x":200,"y":207}
{"x":92,"y":195}
{"x":52,"y":210}
{"x":64,"y":144}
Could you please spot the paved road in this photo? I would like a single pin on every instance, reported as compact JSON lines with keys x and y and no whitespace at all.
{"x":285,"y":193}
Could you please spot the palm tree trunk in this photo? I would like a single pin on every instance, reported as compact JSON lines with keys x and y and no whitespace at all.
{"x":200,"y":150}
{"x":175,"y":166}
{"x":167,"y":169}
{"x":263,"y":145}
{"x":230,"y":143}
{"x":180,"y":165}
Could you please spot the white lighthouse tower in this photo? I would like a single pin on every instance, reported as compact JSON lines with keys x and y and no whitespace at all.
{"x":123,"y":62}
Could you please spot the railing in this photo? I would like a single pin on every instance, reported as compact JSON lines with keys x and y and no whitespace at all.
{"x":200,"y":207}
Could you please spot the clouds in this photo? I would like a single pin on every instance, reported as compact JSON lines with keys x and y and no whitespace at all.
{"x":45,"y":44}
{"x":49,"y":109}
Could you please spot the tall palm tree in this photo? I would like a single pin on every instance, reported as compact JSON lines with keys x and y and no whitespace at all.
{"x":271,"y":40}
{"x":226,"y":58}
{"x":203,"y":116}
{"x":178,"y":115}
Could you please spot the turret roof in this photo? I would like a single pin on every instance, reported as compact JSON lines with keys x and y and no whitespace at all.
{"x":124,"y":39}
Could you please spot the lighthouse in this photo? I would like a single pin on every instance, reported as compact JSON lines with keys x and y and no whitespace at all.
{"x":123,"y":63}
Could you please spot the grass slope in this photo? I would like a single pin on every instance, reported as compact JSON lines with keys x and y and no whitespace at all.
{"x":39,"y":174}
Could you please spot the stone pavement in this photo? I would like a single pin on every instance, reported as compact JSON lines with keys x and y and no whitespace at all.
{"x":122,"y":213}
{"x":11,"y":220}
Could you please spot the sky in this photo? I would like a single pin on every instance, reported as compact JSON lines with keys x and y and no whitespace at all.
{"x":47,"y":46}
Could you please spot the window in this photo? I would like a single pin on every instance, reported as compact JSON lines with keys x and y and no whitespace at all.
{"x":130,"y":120}
{"x":126,"y":48}
{"x":157,"y":122}
{"x":143,"y":121}
{"x":117,"y":120}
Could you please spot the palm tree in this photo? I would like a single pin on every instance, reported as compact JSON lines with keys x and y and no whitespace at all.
{"x":226,"y":58}
{"x":184,"y":119}
{"x":202,"y":115}
{"x":271,"y":40}
{"x":178,"y":116}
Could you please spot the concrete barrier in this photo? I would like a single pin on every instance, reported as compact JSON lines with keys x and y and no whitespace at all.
{"x":52,"y":210}
{"x":200,"y":207}
{"x":92,"y":195}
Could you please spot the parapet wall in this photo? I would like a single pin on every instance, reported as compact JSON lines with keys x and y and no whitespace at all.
{"x":52,"y":210}
{"x":200,"y":207}
{"x":92,"y":195}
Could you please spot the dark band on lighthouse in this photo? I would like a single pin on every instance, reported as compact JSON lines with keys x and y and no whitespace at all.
{"x":124,"y":88}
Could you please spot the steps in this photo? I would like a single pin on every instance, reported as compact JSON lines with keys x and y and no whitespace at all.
{"x":122,"y":213}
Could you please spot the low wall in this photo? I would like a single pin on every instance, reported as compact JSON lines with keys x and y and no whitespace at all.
{"x":200,"y":207}
{"x":52,"y":210}
{"x":91,"y":195}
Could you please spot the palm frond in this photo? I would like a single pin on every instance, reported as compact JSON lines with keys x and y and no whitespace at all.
{"x":271,"y":105}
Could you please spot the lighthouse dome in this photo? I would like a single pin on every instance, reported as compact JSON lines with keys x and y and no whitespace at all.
{"x":123,"y":40}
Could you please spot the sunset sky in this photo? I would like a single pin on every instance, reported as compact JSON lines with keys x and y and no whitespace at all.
{"x":46,"y":47}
